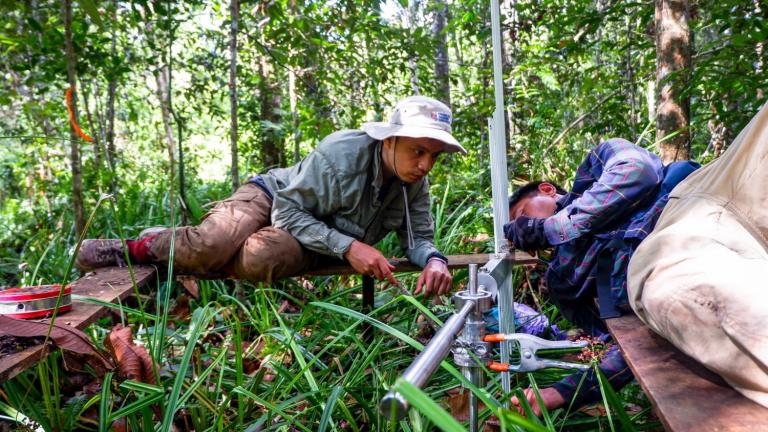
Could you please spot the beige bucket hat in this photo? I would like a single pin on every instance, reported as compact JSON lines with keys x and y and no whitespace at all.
{"x":417,"y":117}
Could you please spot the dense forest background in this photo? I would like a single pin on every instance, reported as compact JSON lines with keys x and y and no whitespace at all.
{"x":173,"y":92}
{"x":119,"y":115}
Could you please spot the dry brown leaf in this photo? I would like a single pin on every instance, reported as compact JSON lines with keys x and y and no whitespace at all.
{"x":597,"y":410}
{"x":190,"y":284}
{"x":133,"y":360}
{"x":181,"y":310}
{"x":75,"y":363}
{"x":120,"y":425}
{"x":65,"y":337}
{"x":251,"y":361}
{"x":458,"y":407}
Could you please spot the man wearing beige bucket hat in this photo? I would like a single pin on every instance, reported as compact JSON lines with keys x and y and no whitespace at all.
{"x":344,"y":197}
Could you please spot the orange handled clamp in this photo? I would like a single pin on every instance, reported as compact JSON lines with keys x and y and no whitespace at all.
{"x":528,"y":345}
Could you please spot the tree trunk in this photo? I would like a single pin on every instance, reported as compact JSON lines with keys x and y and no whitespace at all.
{"x":314,"y":96}
{"x":440,"y":35}
{"x":161,"y":79}
{"x":413,"y":6}
{"x":110,"y":134}
{"x":630,"y":94}
{"x":169,"y":103}
{"x":97,"y":153}
{"x":234,"y":12}
{"x":293,"y":100}
{"x":460,"y":74}
{"x":673,"y":68}
{"x":270,"y":102}
{"x":77,"y":174}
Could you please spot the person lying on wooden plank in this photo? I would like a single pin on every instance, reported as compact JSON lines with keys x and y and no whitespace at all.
{"x":618,"y":193}
{"x":699,"y":279}
{"x":344,"y":197}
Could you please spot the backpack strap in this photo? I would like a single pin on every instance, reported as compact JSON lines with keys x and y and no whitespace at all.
{"x":605,"y":261}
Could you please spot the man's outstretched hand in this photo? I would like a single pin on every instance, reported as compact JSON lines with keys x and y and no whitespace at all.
{"x":369,"y":261}
{"x":526,"y":233}
{"x":435,"y":278}
{"x":551,"y":398}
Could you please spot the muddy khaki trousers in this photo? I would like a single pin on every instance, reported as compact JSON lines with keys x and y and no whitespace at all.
{"x":235,"y":239}
{"x":701,"y":278}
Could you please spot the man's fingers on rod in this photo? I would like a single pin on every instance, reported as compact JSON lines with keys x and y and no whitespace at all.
{"x":429,"y":285}
{"x":375,"y":272}
{"x":386,"y":272}
{"x":419,"y":284}
{"x":446,"y":287}
{"x":391,"y":278}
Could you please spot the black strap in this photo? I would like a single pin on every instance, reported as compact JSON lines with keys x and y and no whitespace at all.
{"x":258,"y":181}
{"x":608,"y":307}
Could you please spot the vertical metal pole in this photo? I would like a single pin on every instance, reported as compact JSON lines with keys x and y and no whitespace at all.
{"x":500,"y":188}
{"x":474,"y":421}
{"x":472,"y":285}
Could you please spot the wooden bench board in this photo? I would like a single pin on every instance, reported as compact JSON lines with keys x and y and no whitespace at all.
{"x":107,"y":284}
{"x":685,"y":395}
{"x":402,"y":265}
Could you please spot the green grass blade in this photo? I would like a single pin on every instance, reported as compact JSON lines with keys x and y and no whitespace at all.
{"x":420,"y":401}
{"x":135,"y":407}
{"x":104,"y":404}
{"x":14,"y":415}
{"x":511,"y":417}
{"x":200,"y":321}
{"x":612,"y":403}
{"x":131,"y":385}
{"x":329,"y":405}
{"x":202,"y":377}
{"x":269,"y":405}
{"x":118,"y":307}
{"x":540,"y":402}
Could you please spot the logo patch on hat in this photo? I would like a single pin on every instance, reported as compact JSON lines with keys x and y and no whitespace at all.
{"x":441,"y":117}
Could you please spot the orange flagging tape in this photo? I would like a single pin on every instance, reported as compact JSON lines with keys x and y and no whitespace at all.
{"x":498,"y":337}
{"x":77,"y":129}
{"x":498,"y":367}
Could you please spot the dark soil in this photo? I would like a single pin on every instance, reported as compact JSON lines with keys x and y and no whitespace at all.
{"x":12,"y":344}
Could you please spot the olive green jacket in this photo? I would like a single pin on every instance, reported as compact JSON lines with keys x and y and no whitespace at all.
{"x":334,"y":196}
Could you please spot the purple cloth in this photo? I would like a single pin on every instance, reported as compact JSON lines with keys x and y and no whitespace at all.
{"x":527,"y":320}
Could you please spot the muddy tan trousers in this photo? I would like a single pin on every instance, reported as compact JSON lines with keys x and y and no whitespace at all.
{"x":701,"y":278}
{"x":235,"y":239}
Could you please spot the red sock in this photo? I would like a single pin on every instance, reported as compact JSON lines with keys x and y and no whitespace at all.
{"x":138,"y":250}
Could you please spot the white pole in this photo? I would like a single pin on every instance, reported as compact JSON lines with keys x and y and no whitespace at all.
{"x":500,"y":189}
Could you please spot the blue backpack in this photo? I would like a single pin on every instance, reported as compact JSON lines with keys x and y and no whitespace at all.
{"x":612,"y":272}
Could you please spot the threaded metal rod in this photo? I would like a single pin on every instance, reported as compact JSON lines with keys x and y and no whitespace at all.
{"x":425,"y":364}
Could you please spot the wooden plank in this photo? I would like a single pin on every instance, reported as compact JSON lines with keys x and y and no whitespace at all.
{"x":402,"y":265}
{"x":685,"y":395}
{"x":106,"y":284}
